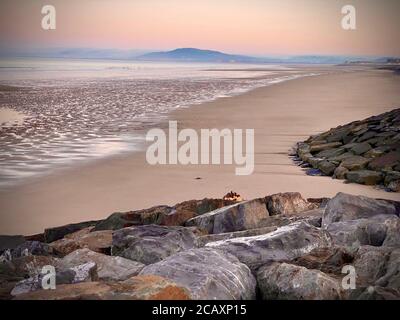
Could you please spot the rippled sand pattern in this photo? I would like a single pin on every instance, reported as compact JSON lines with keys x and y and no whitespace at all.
{"x":75,"y":119}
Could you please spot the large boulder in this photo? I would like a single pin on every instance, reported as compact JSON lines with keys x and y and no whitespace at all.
{"x":367,"y":177}
{"x":53,"y":234}
{"x":99,"y":241}
{"x":147,"y":287}
{"x":387,"y":161}
{"x":285,"y":243}
{"x":108,"y":267}
{"x":327,"y":259}
{"x":29,"y":248}
{"x":151,"y":243}
{"x":355,"y":163}
{"x":208,"y":274}
{"x":376,"y":231}
{"x":237,"y":217}
{"x":287,"y":203}
{"x":79,"y":273}
{"x":370,"y":264}
{"x":119,"y":220}
{"x":285,"y":281}
{"x":345,"y":207}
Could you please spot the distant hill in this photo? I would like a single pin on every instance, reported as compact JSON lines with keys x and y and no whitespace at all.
{"x":195,"y":55}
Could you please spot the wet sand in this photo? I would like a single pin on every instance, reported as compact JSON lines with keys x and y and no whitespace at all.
{"x":281,"y":115}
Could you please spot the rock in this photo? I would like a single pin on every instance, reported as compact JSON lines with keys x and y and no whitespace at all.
{"x":286,"y":243}
{"x":325,"y":146}
{"x":355,"y":233}
{"x":391,"y":276}
{"x":344,"y":207}
{"x":342,"y":157}
{"x":331,"y":153}
{"x":162,"y":215}
{"x":151,"y":243}
{"x":230,"y":235}
{"x":338,"y":134}
{"x":367,"y":135}
{"x":367,"y":177}
{"x":326,"y":167}
{"x":392,"y":238}
{"x":207,"y":274}
{"x":340,"y":173}
{"x":386,"y":161}
{"x":236,"y":217}
{"x":391,"y":176}
{"x":10,"y":242}
{"x":30,"y":265}
{"x":121,"y":220}
{"x":394,"y":186}
{"x":284,"y":281}
{"x":147,"y":287}
{"x":370,"y":264}
{"x":375,"y":293}
{"x":53,"y":234}
{"x":328,"y":260}
{"x":80,"y":273}
{"x":99,"y":241}
{"x":376,"y":152}
{"x":361,"y":148}
{"x":31,"y":248}
{"x":108,"y":267}
{"x":355,"y":163}
{"x":287,"y":203}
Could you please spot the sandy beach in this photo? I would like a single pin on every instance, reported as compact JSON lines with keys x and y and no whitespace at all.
{"x":281,"y":114}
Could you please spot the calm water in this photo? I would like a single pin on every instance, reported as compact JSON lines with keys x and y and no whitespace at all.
{"x":76,"y":110}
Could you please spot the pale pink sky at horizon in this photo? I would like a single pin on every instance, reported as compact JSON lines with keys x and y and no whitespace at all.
{"x":260,"y":27}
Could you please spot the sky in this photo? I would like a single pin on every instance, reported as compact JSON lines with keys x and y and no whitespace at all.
{"x":254,"y":27}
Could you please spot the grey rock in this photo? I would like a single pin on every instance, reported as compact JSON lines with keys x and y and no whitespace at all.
{"x":391,"y":278}
{"x":375,"y":293}
{"x":287,"y":203}
{"x":208,"y":274}
{"x":31,"y":248}
{"x":53,"y":234}
{"x":344,"y":207}
{"x":391,"y":176}
{"x":355,"y":233}
{"x":325,"y":146}
{"x":367,"y":177}
{"x":327,"y":167}
{"x":340,"y":173}
{"x":108,"y":267}
{"x":80,"y":273}
{"x":355,"y":163}
{"x":290,"y":282}
{"x":370,"y":264}
{"x":361,"y":148}
{"x":286,"y":243}
{"x":236,"y":217}
{"x":151,"y":243}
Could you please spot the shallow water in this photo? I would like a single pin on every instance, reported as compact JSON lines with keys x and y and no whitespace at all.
{"x":76,"y":110}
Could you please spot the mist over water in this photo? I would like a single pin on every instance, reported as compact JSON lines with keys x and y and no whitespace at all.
{"x":76,"y":110}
